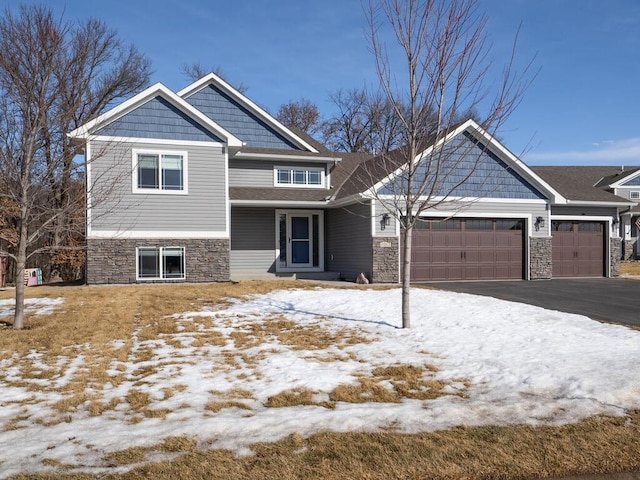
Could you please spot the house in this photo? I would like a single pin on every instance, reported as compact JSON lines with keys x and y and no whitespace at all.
{"x":204,"y":185}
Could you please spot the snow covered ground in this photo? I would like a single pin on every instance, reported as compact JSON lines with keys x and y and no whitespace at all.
{"x":503,"y":363}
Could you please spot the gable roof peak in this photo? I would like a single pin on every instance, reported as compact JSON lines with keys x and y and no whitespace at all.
{"x":218,"y":82}
{"x":156,"y":90}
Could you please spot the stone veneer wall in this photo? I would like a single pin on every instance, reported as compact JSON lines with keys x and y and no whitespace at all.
{"x":114,"y":260}
{"x":627,"y":250}
{"x":616,"y":256}
{"x":385,"y":260}
{"x":540,"y":260}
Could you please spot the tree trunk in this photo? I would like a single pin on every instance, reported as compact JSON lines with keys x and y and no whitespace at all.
{"x":21,"y":260}
{"x":406,"y":277}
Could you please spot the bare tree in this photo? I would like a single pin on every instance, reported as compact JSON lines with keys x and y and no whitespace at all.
{"x":54,"y":76}
{"x":195,"y":70}
{"x":446,"y":72}
{"x":302,"y":114}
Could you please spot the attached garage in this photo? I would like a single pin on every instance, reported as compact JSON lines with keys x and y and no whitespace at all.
{"x":467,"y":249}
{"x":578,"y":248}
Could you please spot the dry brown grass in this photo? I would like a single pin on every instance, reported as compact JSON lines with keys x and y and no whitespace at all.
{"x":216,"y":406}
{"x":91,"y":319}
{"x":630,"y":268}
{"x":293,"y":398}
{"x":595,"y":445}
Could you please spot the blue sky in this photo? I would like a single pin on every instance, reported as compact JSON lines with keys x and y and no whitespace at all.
{"x":581,"y":108}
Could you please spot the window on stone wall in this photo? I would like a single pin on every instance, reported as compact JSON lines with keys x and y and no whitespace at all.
{"x":160,"y":263}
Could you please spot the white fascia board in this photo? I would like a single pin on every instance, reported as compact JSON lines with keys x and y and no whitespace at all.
{"x":158,"y":89}
{"x":156,"y":234}
{"x":274,"y":156}
{"x":350,"y":200}
{"x":467,"y":200}
{"x":631,"y":176}
{"x":231,"y":91}
{"x":278,"y":203}
{"x":156,"y":141}
{"x":601,"y":204}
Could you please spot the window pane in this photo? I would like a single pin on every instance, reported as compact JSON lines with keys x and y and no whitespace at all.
{"x":173,"y":263}
{"x":172,"y":172}
{"x":148,"y":171}
{"x":446,"y":225}
{"x":298,"y":177}
{"x":509,"y":225}
{"x":315,"y":178}
{"x":284,"y":176}
{"x":479,"y":224}
{"x":148,"y":263}
{"x":590,"y":227}
{"x":300,"y":251}
{"x":562,"y":226}
{"x":315,"y":225}
{"x":300,"y":228}
{"x":283,"y":240}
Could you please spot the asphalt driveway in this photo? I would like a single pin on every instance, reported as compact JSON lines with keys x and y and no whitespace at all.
{"x":614,"y":300}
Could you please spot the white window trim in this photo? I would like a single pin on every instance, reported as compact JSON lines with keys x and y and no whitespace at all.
{"x":155,"y":279}
{"x":637,"y":197}
{"x":323,"y":176}
{"x":159,"y":191}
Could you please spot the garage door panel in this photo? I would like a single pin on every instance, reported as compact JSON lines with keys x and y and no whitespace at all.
{"x":577,"y":249}
{"x":475,"y":249}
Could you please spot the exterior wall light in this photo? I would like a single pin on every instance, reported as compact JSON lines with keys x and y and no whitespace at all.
{"x":385,"y":221}
{"x":539,"y":223}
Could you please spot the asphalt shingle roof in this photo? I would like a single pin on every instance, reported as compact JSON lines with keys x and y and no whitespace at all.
{"x":579,"y":182}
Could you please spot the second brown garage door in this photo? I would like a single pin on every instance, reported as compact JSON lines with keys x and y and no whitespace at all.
{"x":467,"y":249}
{"x":578,"y":249}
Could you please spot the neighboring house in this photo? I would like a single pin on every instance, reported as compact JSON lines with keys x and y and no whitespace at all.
{"x":204,"y":185}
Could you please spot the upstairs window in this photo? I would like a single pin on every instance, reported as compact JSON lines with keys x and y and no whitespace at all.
{"x":160,"y":172}
{"x":634,"y":195}
{"x":300,"y":177}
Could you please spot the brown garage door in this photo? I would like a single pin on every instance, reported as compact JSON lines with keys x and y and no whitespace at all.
{"x":467,"y":249}
{"x":578,"y":249}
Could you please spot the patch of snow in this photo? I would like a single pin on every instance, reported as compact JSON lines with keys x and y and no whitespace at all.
{"x":523,"y":364}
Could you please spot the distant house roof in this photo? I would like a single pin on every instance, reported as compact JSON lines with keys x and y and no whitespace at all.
{"x":581,"y":183}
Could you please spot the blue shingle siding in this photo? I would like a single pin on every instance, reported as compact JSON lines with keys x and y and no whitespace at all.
{"x":468,"y":169}
{"x":633,"y":182}
{"x":158,"y":119}
{"x":235,"y":118}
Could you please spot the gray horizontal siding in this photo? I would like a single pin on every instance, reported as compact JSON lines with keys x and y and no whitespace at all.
{"x":467,"y":169}
{"x":592,"y":211}
{"x":235,"y":118}
{"x":259,"y":173}
{"x":115,"y":207}
{"x":349,"y":246}
{"x":252,"y":240}
{"x":157,"y":118}
{"x":492,"y":209}
{"x":626,"y":192}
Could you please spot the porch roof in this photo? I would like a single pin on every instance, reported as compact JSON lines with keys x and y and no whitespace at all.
{"x":280,"y":194}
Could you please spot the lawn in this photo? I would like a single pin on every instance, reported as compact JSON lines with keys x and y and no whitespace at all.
{"x":271,"y":380}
